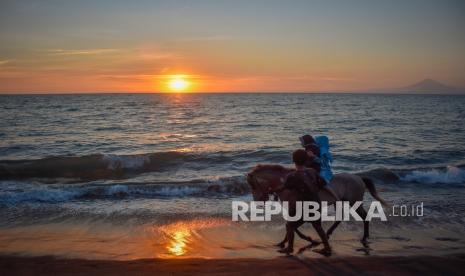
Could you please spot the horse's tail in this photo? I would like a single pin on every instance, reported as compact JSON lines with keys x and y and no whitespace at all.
{"x":371,"y":188}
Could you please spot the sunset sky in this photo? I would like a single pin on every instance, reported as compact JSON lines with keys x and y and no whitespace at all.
{"x":228,"y":46}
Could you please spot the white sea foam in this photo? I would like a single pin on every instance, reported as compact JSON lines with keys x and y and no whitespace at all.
{"x":178,"y":191}
{"x":38,"y":193}
{"x":17,"y":192}
{"x":117,"y":189}
{"x":153,"y":190}
{"x":450,"y":175}
{"x":114,"y":162}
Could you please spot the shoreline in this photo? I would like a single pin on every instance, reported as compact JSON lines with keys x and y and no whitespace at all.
{"x":292,"y":265}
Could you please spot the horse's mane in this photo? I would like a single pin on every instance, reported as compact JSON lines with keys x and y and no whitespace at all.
{"x":271,"y":167}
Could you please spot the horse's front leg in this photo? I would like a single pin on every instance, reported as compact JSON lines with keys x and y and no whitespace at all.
{"x":302,"y":236}
{"x":291,"y":227}
{"x":366,"y":224}
{"x":290,"y":239}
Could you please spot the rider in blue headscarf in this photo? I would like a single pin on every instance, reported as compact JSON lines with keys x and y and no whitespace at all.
{"x":325,"y":158}
{"x":319,"y":157}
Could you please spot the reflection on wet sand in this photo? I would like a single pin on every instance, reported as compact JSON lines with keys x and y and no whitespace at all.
{"x":182,"y":237}
{"x":207,"y":238}
{"x":178,"y":242}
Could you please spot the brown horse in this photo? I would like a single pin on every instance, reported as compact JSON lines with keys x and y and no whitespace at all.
{"x":347,"y":187}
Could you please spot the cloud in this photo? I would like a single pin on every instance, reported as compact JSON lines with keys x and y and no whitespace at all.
{"x":80,"y":52}
{"x":209,"y":38}
{"x":3,"y":62}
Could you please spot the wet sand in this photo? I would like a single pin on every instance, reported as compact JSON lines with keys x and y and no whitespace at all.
{"x":415,"y":265}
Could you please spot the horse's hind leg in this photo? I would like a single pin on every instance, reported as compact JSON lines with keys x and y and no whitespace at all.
{"x":307,"y":238}
{"x":332,"y":228}
{"x":302,"y":236}
{"x":366,"y":224}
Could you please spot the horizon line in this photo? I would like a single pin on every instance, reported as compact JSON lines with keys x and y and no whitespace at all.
{"x":235,"y":92}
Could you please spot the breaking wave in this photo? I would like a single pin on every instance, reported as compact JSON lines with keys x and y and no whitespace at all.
{"x":14,"y":192}
{"x":111,"y":166}
{"x":17,"y":192}
{"x":91,"y":167}
{"x":450,"y":175}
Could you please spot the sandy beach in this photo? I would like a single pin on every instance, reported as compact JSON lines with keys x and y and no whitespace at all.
{"x":418,"y":265}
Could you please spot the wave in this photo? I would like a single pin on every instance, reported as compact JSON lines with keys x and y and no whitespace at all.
{"x":450,"y":175}
{"x":90,"y":167}
{"x":17,"y":192}
{"x":14,"y":192}
{"x":38,"y":194}
{"x":78,"y":169}
{"x":112,"y":166}
{"x":116,"y":162}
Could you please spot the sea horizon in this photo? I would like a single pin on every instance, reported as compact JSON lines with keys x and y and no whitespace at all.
{"x":244,"y":92}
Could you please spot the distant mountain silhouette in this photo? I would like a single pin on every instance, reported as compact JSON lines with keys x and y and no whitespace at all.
{"x":429,"y":86}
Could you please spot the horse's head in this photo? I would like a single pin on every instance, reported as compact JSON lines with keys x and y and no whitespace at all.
{"x":263,"y":178}
{"x":260,"y":189}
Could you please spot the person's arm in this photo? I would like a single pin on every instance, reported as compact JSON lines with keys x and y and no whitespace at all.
{"x":313,"y":163}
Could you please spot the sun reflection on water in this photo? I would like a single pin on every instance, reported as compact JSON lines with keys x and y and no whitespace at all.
{"x":182,"y":237}
{"x":179,"y":240}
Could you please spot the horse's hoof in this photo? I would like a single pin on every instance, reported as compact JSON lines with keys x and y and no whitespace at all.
{"x":280,"y":245}
{"x":364,"y":242}
{"x":323,"y":251}
{"x":286,"y":251}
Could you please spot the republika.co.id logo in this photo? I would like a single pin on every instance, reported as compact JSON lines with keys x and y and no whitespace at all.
{"x":313,"y":211}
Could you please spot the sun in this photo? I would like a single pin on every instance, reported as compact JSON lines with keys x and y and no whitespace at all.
{"x":178,"y":84}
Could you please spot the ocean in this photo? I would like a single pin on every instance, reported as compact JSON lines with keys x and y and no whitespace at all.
{"x":125,"y":176}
